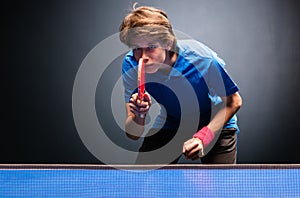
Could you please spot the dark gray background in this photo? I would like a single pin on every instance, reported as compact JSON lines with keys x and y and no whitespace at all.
{"x":44,"y":43}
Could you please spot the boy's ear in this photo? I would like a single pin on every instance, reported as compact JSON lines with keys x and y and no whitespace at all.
{"x":169,"y":45}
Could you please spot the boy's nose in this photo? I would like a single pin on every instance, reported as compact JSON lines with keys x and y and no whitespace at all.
{"x":144,"y":55}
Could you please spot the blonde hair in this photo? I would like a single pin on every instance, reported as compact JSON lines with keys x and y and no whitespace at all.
{"x":147,"y":21}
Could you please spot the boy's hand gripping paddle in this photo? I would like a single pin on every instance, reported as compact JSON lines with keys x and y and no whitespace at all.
{"x":141,"y":81}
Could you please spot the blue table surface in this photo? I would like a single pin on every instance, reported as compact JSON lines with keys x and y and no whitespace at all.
{"x":181,"y":182}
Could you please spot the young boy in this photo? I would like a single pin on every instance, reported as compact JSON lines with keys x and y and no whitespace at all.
{"x":169,"y":64}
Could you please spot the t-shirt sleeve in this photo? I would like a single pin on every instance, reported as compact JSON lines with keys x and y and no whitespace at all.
{"x":129,"y":77}
{"x":218,"y":80}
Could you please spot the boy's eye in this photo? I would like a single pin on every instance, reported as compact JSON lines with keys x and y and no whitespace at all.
{"x":152,"y":46}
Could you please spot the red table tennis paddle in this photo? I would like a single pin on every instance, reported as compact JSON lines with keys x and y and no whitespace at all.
{"x":141,"y":81}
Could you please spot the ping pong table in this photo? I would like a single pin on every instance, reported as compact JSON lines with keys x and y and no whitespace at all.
{"x":67,"y":180}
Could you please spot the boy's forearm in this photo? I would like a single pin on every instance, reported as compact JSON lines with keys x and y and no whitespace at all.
{"x":134,"y":127}
{"x":232,"y":105}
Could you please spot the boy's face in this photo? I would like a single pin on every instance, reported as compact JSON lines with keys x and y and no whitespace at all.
{"x":153,"y":53}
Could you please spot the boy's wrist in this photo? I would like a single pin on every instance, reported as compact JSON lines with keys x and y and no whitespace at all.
{"x":205,"y":135}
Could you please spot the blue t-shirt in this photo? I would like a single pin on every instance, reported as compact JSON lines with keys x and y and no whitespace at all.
{"x":197,"y":68}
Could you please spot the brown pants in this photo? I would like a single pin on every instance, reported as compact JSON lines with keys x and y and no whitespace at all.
{"x":223,"y":152}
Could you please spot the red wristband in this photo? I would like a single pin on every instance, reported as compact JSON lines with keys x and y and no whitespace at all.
{"x":205,"y":135}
